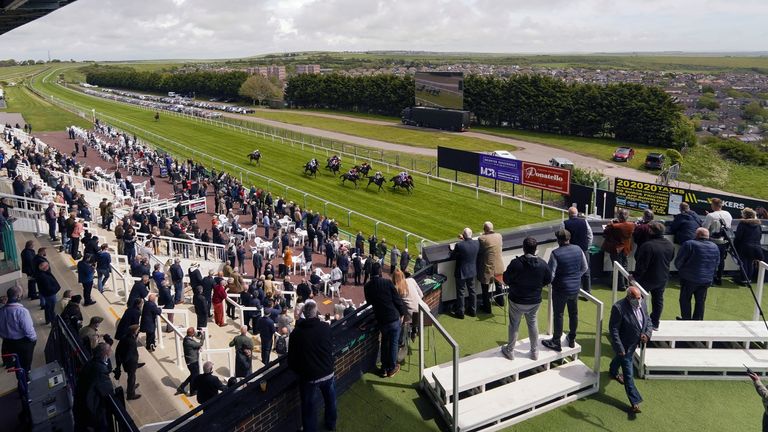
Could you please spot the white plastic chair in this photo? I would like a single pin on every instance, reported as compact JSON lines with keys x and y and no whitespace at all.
{"x":335,"y":288}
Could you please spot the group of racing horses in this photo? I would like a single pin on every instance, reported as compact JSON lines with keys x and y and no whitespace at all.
{"x":357,"y":173}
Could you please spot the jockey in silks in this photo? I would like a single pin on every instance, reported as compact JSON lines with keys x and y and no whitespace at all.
{"x":403,"y":176}
{"x":313,"y":163}
{"x":352,"y":172}
{"x":378,"y":175}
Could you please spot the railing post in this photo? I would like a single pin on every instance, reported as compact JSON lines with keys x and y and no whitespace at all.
{"x":376,"y":228}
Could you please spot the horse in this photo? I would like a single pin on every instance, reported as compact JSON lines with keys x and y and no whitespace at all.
{"x":377,"y":181}
{"x":334,"y":165}
{"x":255,"y":156}
{"x":363,"y":169}
{"x":407,"y":184}
{"x":311,"y":169}
{"x":351,"y":177}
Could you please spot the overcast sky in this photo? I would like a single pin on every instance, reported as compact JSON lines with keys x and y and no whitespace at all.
{"x":207,"y":29}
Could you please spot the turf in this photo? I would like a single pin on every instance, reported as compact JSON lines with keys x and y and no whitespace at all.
{"x":41,"y":114}
{"x":669,"y":405}
{"x":390,"y":133}
{"x":432,"y":211}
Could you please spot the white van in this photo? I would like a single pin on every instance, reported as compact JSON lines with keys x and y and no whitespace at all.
{"x":503,"y":154}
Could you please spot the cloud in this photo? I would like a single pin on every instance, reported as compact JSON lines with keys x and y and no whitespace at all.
{"x":164,"y":29}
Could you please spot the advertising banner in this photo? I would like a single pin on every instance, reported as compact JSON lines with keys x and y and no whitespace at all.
{"x":499,"y":168}
{"x":663,"y":200}
{"x":546,"y":177}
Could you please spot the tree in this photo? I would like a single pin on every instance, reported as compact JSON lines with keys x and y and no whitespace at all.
{"x":755,"y":112}
{"x":259,"y":88}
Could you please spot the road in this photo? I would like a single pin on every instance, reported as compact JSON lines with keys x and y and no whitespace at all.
{"x":528,"y":151}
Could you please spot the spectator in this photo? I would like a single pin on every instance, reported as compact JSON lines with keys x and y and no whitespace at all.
{"x":85,"y":273}
{"x":201,"y":308}
{"x":127,"y":357}
{"x":140,"y":289}
{"x":310,"y":356}
{"x":567,"y":264}
{"x":411,"y":296}
{"x":465,"y":254}
{"x":192,"y":359}
{"x":715,"y":221}
{"x":50,"y":219}
{"x":343,"y":264}
{"x":72,"y":316}
{"x":177,"y":277}
{"x":205,"y":385}
{"x":61,"y":304}
{"x":265,"y":326}
{"x":103,"y":266}
{"x":148,"y":325}
{"x":89,"y":335}
{"x":388,"y":308}
{"x":17,"y":329}
{"x":27,"y":267}
{"x":652,"y":260}
{"x":394,"y":259}
{"x":243,"y":353}
{"x":218,"y":299}
{"x":684,"y":224}
{"x":490,"y":266}
{"x":92,"y":388}
{"x":48,"y":286}
{"x":618,"y":241}
{"x":581,"y":236}
{"x":131,"y":316}
{"x":642,"y":231}
{"x":405,"y":259}
{"x":747,"y":242}
{"x":696,"y":264}
{"x":526,"y":275}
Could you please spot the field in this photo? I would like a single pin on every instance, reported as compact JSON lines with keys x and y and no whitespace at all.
{"x":432,"y":211}
{"x":41,"y":114}
{"x":682,"y":406}
{"x":14,"y":73}
{"x":704,"y":165}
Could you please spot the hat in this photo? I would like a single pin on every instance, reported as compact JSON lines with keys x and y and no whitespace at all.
{"x":76,"y":299}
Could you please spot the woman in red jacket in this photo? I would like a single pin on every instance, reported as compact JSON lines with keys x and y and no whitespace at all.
{"x":218,"y":298}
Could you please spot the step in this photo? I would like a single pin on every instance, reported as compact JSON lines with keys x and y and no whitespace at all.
{"x":702,"y":363}
{"x":488,"y":366}
{"x":710,"y":331}
{"x":519,"y":400}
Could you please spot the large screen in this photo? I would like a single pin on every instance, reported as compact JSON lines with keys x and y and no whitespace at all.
{"x":440,"y":89}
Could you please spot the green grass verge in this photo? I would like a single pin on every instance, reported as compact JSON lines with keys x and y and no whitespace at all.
{"x":704,"y":165}
{"x":393,"y":133}
{"x":13,"y":73}
{"x":432,"y":211}
{"x":41,"y":114}
{"x":713,"y":405}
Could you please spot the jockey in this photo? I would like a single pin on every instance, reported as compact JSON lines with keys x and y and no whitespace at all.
{"x":313,"y":163}
{"x":403,"y":176}
{"x":378,"y":175}
{"x":352,"y":172}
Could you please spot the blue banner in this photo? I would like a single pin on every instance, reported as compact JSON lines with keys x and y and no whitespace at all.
{"x":499,"y":168}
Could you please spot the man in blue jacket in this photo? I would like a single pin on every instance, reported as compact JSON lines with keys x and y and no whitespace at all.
{"x":567,"y":264}
{"x":696,"y":263}
{"x":85,"y":272}
{"x":103,"y":266}
{"x":465,"y":254}
{"x":684,"y":224}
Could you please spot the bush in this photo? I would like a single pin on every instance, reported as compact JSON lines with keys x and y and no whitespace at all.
{"x":587,"y":177}
{"x":737,"y":151}
{"x":674,"y":157}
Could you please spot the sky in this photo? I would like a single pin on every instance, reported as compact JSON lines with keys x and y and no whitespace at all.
{"x":218,"y":29}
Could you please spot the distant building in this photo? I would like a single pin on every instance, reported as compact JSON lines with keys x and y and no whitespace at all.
{"x":272,"y":71}
{"x":308,"y":69}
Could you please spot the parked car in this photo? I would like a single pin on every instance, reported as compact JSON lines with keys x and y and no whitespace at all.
{"x":623,"y":154}
{"x":561,"y":163}
{"x":654,"y":161}
{"x":503,"y":154}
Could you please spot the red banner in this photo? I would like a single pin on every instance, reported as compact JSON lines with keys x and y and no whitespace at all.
{"x":547,"y":177}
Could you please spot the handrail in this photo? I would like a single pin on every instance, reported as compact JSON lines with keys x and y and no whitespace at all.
{"x":117,"y":272}
{"x":619,"y":269}
{"x":178,"y":336}
{"x":242,"y":308}
{"x":424,"y":310}
{"x":229,"y":351}
{"x":762,"y":267}
{"x":230,"y":165}
{"x":598,"y":331}
{"x":27,"y":203}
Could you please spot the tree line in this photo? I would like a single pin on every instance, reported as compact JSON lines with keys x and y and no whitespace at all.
{"x":628,"y":112}
{"x":213,"y":84}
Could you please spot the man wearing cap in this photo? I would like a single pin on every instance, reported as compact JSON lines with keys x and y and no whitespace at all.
{"x":89,"y":335}
{"x":127,"y":356}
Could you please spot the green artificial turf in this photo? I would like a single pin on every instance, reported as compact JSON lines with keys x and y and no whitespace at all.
{"x":669,"y":405}
{"x":432,"y":211}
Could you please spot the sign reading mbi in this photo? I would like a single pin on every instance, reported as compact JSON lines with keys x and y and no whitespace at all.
{"x":547,"y":178}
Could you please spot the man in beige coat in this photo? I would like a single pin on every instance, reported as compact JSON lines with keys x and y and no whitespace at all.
{"x":490,"y":266}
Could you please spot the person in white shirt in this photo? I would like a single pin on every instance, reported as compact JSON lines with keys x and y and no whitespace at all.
{"x":714,"y":223}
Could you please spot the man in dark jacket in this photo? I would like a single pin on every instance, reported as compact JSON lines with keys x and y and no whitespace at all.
{"x":50,"y":219}
{"x":343,"y":263}
{"x":208,"y":283}
{"x":206,"y":385}
{"x":27,"y":260}
{"x":140,"y":289}
{"x":310,"y":356}
{"x":131,"y":316}
{"x":192,"y":359}
{"x":265,"y":327}
{"x":201,"y":307}
{"x":195,"y":277}
{"x":127,"y":357}
{"x":389,"y":309}
{"x":567,"y":264}
{"x":85,"y":273}
{"x":149,"y":315}
{"x":581,"y":236}
{"x":526,"y":276}
{"x":48,"y":286}
{"x":177,"y":277}
{"x":103,"y":266}
{"x":92,"y":389}
{"x":629,"y":326}
{"x":684,"y":224}
{"x":465,"y":254}
{"x":696,"y":263}
{"x":652,"y":261}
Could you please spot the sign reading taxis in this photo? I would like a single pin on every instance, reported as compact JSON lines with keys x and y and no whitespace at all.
{"x":662,"y":199}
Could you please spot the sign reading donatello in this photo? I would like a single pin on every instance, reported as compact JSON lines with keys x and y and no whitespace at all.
{"x":663,"y":200}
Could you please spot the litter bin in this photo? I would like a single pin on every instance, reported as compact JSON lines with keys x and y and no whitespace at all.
{"x":595,"y":263}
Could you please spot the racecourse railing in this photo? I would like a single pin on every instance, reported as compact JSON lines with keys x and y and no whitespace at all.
{"x":183,"y":248}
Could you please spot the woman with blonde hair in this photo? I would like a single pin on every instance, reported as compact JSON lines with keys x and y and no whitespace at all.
{"x":411,"y":297}
{"x":747,"y":243}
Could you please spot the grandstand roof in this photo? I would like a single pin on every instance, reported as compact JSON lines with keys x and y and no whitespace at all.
{"x":16,"y":13}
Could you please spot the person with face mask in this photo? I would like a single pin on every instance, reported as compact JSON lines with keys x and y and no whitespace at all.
{"x":629,"y":326}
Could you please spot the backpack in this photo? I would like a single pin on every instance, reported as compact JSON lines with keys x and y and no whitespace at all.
{"x":281,"y":345}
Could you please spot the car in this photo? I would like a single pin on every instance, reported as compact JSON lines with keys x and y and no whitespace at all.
{"x":561,"y":163}
{"x":503,"y":154}
{"x":654,"y":161}
{"x":623,"y":154}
